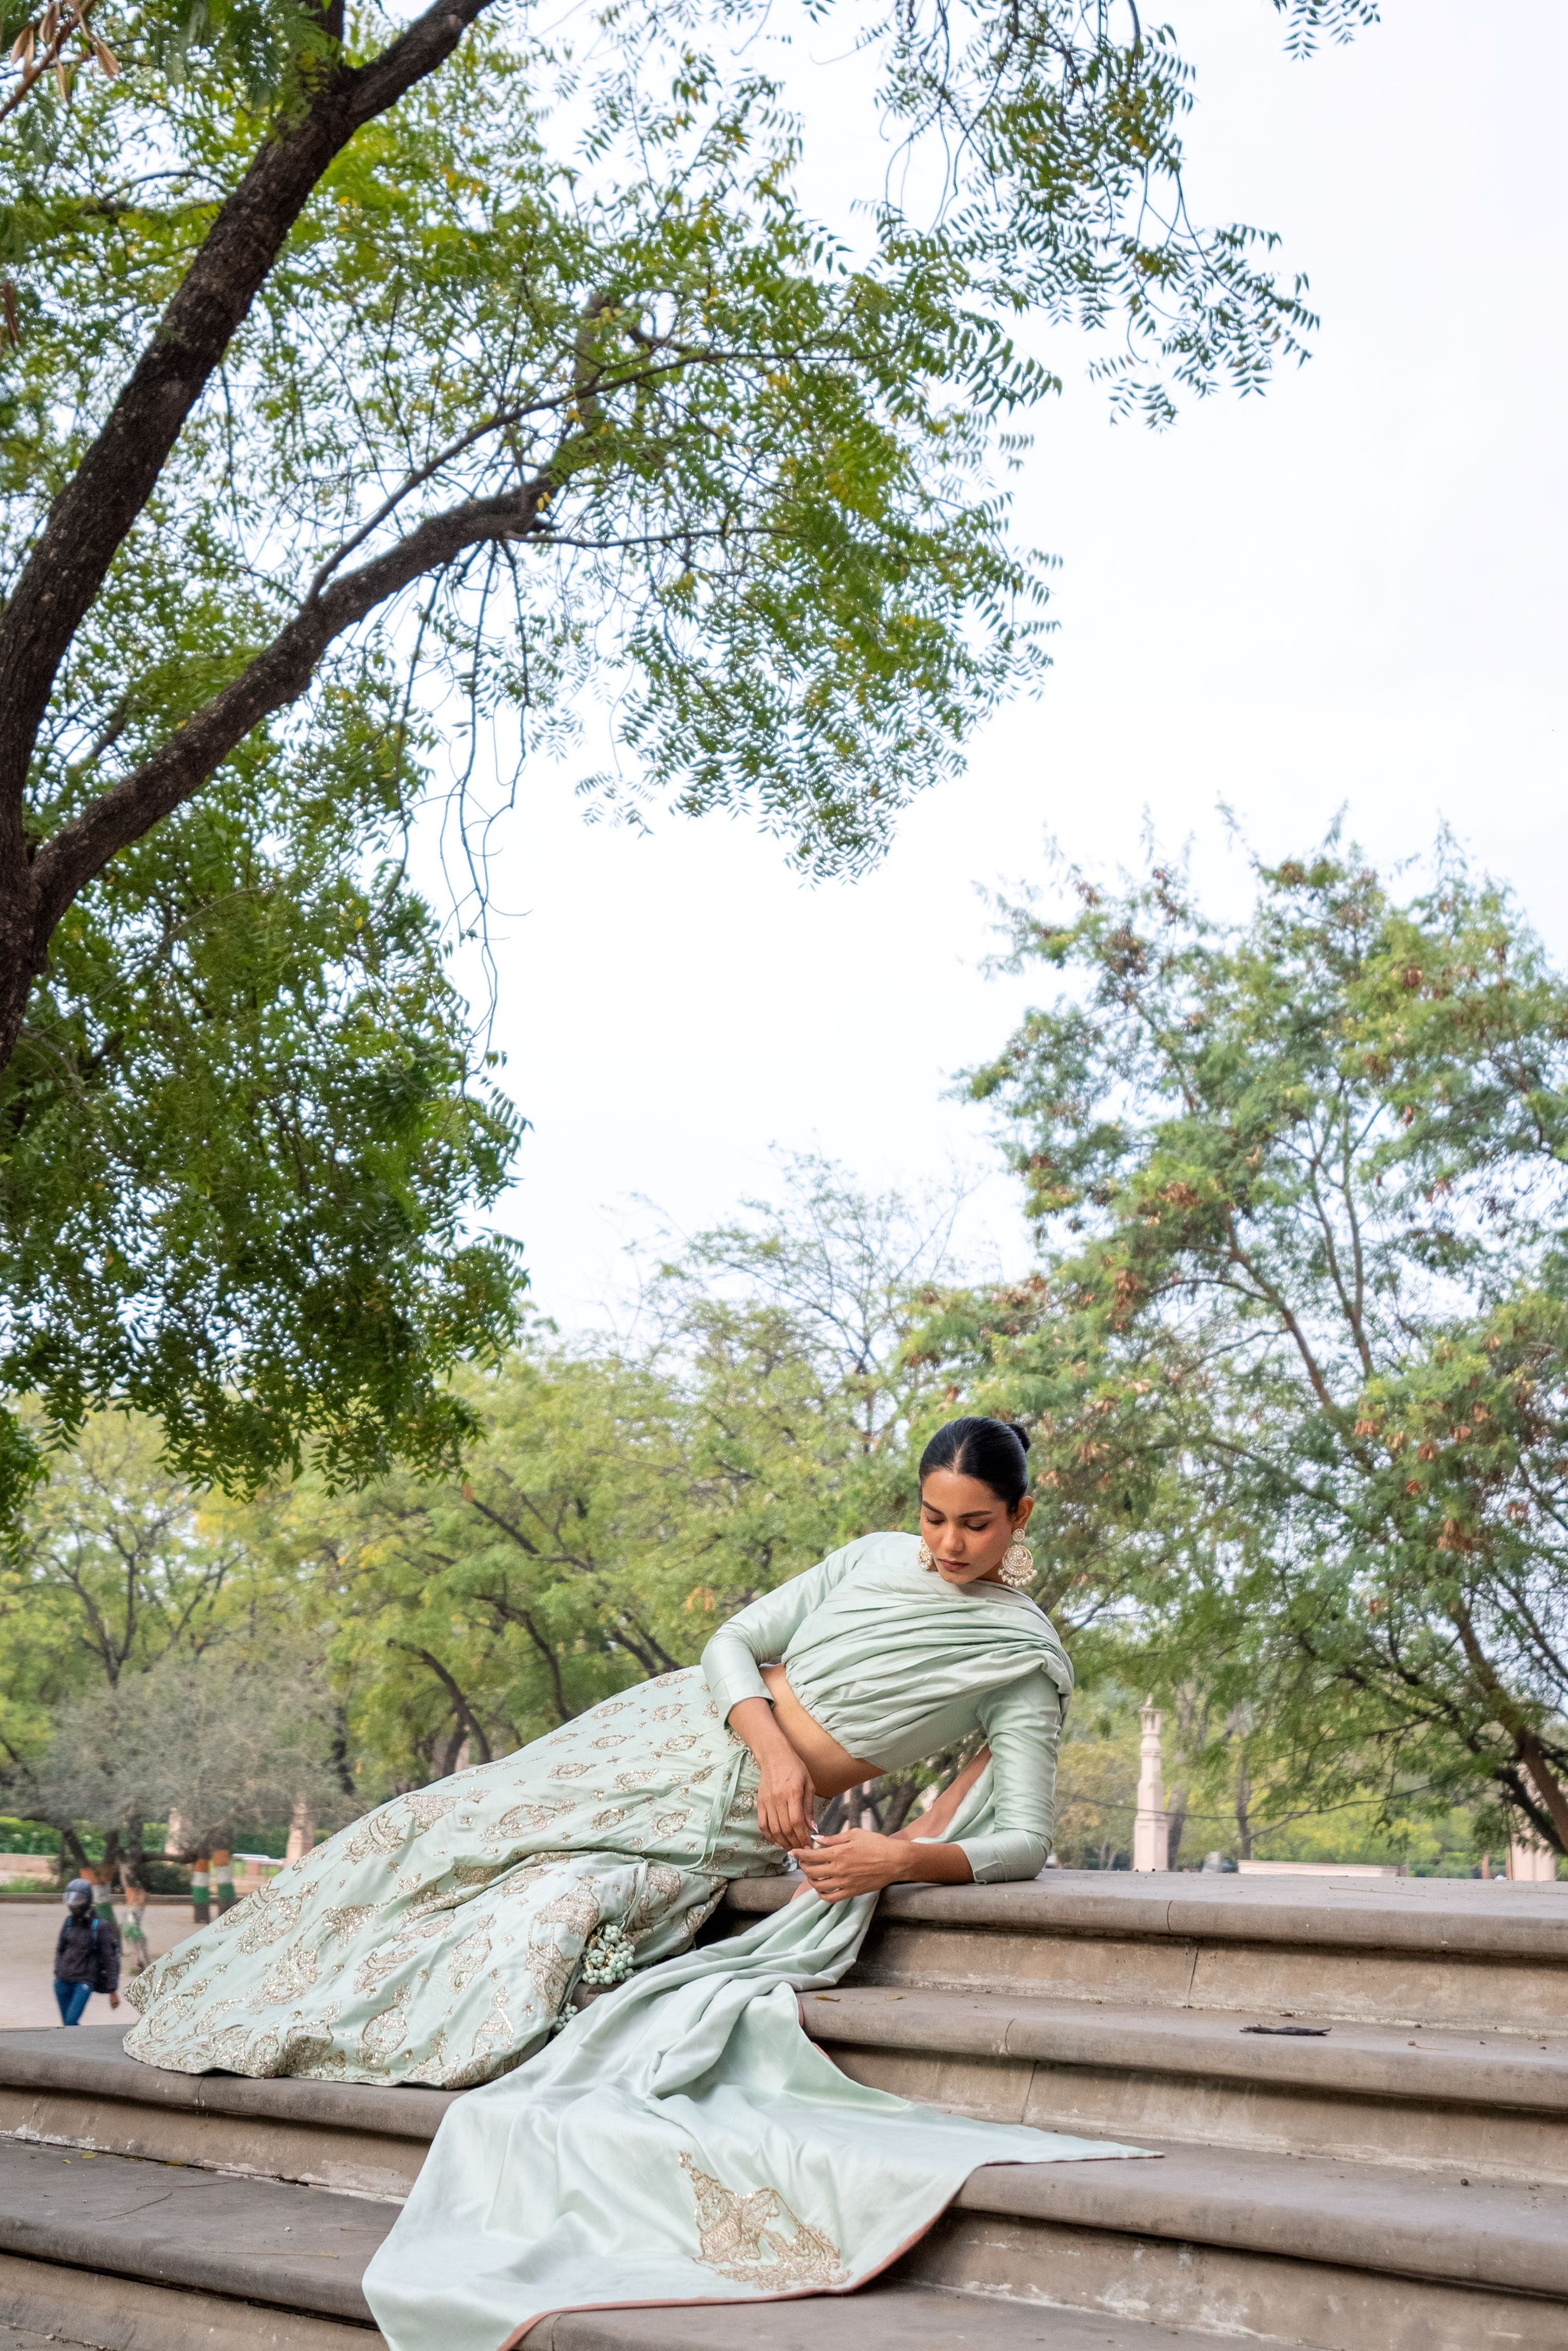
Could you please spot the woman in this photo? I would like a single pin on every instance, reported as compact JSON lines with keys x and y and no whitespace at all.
{"x":680,"y":2140}
{"x":438,"y":1940}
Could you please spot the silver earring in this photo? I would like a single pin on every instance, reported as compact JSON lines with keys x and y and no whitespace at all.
{"x":1017,"y":1568}
{"x":924,"y":1554}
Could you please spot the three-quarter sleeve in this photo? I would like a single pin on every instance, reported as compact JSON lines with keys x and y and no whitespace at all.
{"x":1022,"y":1722}
{"x":759,"y":1635}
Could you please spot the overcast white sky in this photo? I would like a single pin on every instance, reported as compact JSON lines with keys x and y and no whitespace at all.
{"x":1351,"y":592}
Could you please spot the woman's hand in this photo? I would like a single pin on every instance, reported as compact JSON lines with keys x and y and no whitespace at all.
{"x":856,"y":1861}
{"x":786,"y":1800}
{"x":785,"y":1797}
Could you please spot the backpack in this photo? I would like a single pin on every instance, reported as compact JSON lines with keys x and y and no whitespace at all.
{"x":100,"y":1970}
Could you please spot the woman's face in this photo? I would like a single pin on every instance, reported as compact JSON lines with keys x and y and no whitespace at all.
{"x":967,"y":1526}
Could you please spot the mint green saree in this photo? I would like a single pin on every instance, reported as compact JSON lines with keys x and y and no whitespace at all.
{"x":683,"y":2141}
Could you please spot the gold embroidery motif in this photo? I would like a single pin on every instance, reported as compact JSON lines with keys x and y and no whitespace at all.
{"x":575,"y":1908}
{"x":428,"y":1805}
{"x":377,"y":1965}
{"x":272,"y":1916}
{"x":289,"y":1975}
{"x":342,"y":1924}
{"x":522,"y":1818}
{"x":661,"y":1885}
{"x":379,"y":1833}
{"x":464,"y":1963}
{"x":387,"y":2030}
{"x":743,"y":2238}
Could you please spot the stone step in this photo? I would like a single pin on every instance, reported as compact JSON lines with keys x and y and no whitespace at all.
{"x":1483,"y":1957}
{"x":1341,"y":2257}
{"x":885,"y":2318}
{"x":899,"y":2317}
{"x":1454,"y":2103}
{"x":80,"y":2089}
{"x":127,"y":2255}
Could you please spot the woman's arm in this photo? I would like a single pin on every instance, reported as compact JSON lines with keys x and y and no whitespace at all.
{"x":1022,"y":1722}
{"x":755,"y":1637}
{"x":759,"y":1635}
{"x":860,"y":1862}
{"x":785,"y":1796}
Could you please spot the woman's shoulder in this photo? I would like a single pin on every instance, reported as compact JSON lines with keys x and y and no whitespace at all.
{"x":880,"y":1554}
{"x":900,"y":1549}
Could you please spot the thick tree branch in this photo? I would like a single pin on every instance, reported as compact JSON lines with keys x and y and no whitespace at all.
{"x":466,"y":1718}
{"x":110,"y":488}
{"x":279,"y":675}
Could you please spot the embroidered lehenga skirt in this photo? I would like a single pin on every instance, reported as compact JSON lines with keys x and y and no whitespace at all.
{"x":438,"y":1938}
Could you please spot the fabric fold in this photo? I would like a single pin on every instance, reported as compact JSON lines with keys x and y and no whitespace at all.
{"x":681,"y":2140}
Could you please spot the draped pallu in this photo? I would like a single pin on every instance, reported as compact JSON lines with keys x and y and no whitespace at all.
{"x":683,"y":2141}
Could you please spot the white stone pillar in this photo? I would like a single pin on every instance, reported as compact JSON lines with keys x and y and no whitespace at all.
{"x":1534,"y":1863}
{"x":1151,"y":1825}
{"x":301,"y":1831}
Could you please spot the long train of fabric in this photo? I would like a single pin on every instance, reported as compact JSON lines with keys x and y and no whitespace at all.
{"x":681,"y":2140}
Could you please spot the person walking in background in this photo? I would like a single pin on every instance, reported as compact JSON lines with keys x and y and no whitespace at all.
{"x":137,"y":1954}
{"x":87,"y":1955}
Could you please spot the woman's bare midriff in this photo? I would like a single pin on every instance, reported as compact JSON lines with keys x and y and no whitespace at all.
{"x":831,"y":1767}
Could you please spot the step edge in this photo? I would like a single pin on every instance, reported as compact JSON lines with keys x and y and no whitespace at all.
{"x":99,"y":2251}
{"x":1170,"y":1918}
{"x":1329,"y":2236}
{"x":338,"y":2105}
{"x":1425,"y":2078}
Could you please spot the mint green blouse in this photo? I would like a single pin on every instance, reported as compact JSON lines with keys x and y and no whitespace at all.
{"x":896,"y":1665}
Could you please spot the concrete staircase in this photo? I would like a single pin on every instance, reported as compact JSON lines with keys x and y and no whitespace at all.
{"x":1393,"y":2179}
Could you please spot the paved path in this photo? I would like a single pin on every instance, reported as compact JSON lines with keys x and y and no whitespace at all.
{"x":27,"y":1931}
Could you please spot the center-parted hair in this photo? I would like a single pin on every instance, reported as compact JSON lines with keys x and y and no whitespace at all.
{"x":994,"y":1451}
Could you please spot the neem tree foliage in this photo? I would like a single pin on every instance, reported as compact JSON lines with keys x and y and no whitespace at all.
{"x":1297,"y":1364}
{"x":346,"y":361}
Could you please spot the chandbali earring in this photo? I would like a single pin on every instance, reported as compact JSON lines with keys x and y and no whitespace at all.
{"x":925,"y":1555}
{"x":1017,"y":1568}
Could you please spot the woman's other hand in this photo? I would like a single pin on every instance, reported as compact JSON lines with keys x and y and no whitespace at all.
{"x":785,"y":1797}
{"x":856,"y":1861}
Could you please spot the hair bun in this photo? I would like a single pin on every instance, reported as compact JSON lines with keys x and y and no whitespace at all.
{"x":1021,"y":1433}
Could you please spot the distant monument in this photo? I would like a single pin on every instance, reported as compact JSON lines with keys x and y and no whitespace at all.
{"x":1151,"y":1823}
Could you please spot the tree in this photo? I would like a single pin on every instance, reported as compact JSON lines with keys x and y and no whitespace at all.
{"x":1297,"y":1362}
{"x":844,"y":1279}
{"x":627,"y":1497}
{"x":152,"y":1659}
{"x":228,"y":1746}
{"x":350,"y":365}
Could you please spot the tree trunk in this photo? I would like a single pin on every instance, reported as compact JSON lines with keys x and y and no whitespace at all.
{"x":1243,"y":1809}
{"x":1175,"y":1818}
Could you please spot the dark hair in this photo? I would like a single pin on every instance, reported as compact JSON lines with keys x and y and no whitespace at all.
{"x":994,"y":1451}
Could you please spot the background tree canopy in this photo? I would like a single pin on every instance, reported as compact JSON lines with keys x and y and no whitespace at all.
{"x":1297,"y":1360}
{"x":357,"y":371}
{"x":1291,"y":1359}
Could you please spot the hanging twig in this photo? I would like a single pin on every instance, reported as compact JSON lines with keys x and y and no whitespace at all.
{"x":55,"y":27}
